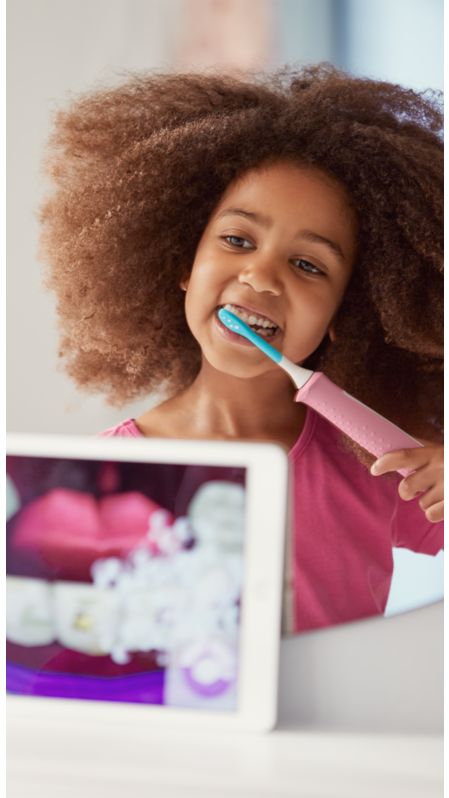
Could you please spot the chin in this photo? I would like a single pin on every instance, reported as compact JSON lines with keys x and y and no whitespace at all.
{"x":241,"y":373}
{"x":234,"y":367}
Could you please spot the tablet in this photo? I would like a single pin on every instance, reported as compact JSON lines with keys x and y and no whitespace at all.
{"x":145,"y":575}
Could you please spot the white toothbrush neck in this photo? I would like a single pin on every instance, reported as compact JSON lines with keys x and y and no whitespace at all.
{"x":298,"y":374}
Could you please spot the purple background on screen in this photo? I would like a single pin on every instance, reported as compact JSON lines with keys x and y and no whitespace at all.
{"x":141,"y":688}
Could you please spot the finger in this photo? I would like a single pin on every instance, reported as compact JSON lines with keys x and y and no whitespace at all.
{"x":431,"y":497}
{"x":416,"y":483}
{"x":435,"y":513}
{"x":400,"y":458}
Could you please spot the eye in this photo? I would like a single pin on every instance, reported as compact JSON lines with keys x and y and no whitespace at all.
{"x":307,"y":267}
{"x":237,"y":241}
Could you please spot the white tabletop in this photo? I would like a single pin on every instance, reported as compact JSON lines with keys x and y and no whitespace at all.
{"x":383,"y":675}
{"x":56,"y":759}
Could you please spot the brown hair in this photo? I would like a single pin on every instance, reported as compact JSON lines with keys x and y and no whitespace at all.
{"x":138,"y":170}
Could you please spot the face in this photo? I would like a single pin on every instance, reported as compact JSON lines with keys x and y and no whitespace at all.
{"x":279,"y":249}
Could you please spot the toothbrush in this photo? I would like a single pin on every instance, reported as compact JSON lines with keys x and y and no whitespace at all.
{"x":368,"y":428}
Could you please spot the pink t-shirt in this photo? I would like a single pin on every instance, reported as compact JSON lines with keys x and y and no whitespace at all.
{"x":345,"y":523}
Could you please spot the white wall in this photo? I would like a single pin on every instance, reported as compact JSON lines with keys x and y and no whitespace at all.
{"x":396,"y":40}
{"x":58,"y":48}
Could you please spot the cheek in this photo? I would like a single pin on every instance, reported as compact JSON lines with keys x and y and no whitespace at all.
{"x":199,"y":299}
{"x":190,"y":309}
{"x":308,"y":326}
{"x":206,"y":283}
{"x":310,"y":311}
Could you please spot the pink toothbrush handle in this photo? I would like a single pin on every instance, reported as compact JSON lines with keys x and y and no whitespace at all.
{"x":368,"y":428}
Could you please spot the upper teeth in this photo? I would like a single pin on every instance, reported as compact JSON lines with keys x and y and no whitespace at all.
{"x":250,"y":318}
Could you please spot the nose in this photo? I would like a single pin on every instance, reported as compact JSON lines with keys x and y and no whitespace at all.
{"x":262,"y":275}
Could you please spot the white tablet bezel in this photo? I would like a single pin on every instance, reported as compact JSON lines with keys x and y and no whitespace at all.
{"x":267,"y":477}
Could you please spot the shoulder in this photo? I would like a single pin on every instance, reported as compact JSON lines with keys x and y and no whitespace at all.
{"x":324,"y":469}
{"x":126,"y":428}
{"x":333,"y":475}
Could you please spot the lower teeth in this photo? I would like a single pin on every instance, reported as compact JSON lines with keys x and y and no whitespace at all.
{"x":264,"y":331}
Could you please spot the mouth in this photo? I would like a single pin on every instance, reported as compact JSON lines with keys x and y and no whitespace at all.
{"x":262,"y":325}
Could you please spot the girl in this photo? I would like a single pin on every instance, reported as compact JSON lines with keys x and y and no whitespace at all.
{"x":310,"y":202}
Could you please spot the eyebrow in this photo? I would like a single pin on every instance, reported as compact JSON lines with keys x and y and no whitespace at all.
{"x":308,"y":235}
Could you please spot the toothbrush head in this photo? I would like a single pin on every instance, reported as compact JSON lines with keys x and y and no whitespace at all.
{"x":236,"y":325}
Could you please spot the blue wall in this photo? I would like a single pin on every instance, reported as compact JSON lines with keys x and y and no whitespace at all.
{"x":396,"y":40}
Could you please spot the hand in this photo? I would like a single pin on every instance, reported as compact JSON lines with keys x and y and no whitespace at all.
{"x":427,"y":464}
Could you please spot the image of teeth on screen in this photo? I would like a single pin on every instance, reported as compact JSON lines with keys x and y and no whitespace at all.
{"x":124,"y":581}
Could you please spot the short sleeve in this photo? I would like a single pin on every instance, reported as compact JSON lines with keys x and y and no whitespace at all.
{"x":127,"y":429}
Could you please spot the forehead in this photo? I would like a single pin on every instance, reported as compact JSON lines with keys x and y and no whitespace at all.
{"x":288,"y":180}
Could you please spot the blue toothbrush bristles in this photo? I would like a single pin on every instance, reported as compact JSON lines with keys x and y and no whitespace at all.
{"x":236,"y":325}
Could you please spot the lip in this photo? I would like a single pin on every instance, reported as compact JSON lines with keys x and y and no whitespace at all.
{"x":254,"y":311}
{"x":111,"y":526}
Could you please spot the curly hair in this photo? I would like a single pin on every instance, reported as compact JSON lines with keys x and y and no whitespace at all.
{"x":137,"y":171}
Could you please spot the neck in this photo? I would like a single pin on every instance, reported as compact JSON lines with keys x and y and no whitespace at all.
{"x":263,"y":407}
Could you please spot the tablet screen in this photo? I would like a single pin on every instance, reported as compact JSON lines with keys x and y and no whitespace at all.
{"x":124,"y":581}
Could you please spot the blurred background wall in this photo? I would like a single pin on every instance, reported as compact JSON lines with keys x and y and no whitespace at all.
{"x":58,"y":48}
